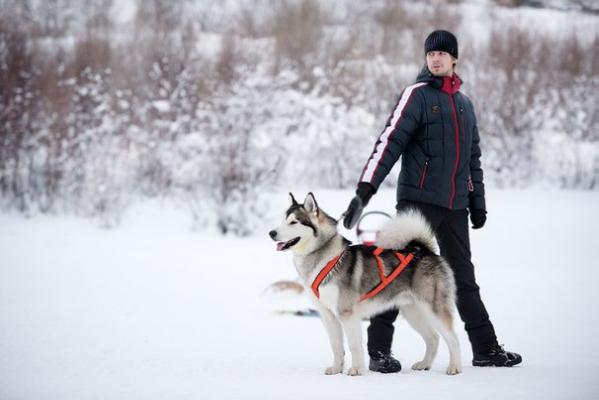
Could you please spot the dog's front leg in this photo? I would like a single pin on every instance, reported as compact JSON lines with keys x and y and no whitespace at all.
{"x":352,"y":325}
{"x":335,"y":334}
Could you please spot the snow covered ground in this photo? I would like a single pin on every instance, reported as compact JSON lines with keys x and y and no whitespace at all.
{"x":152,"y":310}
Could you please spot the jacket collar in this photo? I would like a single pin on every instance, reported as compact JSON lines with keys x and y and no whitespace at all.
{"x":447,"y":84}
{"x":451,"y":84}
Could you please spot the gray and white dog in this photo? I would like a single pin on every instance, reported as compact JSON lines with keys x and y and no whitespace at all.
{"x":424,"y":290}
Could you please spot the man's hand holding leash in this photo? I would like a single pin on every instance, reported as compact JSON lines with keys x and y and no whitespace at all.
{"x":363,"y":194}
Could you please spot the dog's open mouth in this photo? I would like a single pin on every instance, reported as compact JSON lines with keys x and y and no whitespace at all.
{"x":286,"y":245}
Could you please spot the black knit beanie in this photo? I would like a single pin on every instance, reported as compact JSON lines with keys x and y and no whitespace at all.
{"x":441,"y":41}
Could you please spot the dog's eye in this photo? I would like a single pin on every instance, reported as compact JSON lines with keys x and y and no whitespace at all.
{"x":293,"y":223}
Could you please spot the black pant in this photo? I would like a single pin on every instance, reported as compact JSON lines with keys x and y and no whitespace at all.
{"x":451,"y":228}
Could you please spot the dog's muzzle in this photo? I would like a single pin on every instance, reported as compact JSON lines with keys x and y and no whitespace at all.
{"x":281,"y":246}
{"x":287,"y":245}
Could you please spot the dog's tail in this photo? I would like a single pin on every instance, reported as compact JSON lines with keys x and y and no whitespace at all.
{"x":408,"y":226}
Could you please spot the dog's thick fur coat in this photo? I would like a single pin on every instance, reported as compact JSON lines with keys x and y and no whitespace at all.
{"x":424,"y":291}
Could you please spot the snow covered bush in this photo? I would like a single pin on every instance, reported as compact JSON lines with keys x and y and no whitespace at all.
{"x":212,"y":104}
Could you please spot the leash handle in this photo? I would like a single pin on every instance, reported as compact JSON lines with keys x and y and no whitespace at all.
{"x":360,"y":230}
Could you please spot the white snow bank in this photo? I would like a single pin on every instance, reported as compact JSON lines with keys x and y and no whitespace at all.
{"x":154,"y":311}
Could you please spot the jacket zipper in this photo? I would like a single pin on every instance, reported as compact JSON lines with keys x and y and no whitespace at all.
{"x":457,"y":147}
{"x":423,"y":176}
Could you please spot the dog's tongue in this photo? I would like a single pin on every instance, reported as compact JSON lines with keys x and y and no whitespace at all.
{"x":280,"y":246}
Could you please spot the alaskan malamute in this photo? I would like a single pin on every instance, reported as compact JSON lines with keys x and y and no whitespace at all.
{"x":349,"y":283}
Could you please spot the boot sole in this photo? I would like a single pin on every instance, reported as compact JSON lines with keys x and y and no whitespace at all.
{"x":384,"y":370}
{"x":490,"y":363}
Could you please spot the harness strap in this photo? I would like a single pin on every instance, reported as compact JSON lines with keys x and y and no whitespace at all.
{"x":386,"y":280}
{"x":322,"y":274}
{"x":379,"y":262}
{"x":404,"y":260}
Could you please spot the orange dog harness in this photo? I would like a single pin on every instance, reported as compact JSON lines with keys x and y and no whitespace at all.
{"x":404,"y":260}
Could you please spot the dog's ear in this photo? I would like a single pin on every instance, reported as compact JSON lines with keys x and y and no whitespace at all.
{"x":292,"y":201}
{"x":310,"y":204}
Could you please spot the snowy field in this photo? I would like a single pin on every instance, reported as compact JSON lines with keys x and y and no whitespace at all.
{"x":152,"y":310}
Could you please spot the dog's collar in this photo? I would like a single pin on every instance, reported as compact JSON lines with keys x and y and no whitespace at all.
{"x":404,"y":260}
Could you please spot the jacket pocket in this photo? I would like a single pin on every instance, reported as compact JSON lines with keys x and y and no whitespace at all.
{"x":423,"y":175}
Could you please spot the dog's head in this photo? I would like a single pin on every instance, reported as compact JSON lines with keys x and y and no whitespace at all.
{"x":304,"y":227}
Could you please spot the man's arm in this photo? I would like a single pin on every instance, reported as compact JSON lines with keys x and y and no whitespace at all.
{"x":478,"y":208}
{"x":402,"y":123}
{"x":477,"y":193}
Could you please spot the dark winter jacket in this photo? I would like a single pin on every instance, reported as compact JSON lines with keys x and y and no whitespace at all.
{"x":433,"y":127}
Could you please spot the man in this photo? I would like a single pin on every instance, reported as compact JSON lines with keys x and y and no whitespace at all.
{"x":434,"y":127}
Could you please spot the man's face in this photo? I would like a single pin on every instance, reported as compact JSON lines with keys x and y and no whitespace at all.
{"x":440,"y":63}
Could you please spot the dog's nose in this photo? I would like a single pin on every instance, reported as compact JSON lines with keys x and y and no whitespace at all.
{"x":272,"y":234}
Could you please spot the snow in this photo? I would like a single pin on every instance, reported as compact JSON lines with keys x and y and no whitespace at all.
{"x":153,"y":310}
{"x":123,"y":11}
{"x":162,"y":106}
{"x":481,"y":15}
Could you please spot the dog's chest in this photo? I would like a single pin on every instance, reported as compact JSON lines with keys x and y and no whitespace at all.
{"x":329,"y":296}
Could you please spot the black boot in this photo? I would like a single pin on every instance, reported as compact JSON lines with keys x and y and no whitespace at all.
{"x":496,"y":357}
{"x":383,"y":362}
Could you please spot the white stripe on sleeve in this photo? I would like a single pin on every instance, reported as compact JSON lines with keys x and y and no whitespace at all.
{"x":375,"y":158}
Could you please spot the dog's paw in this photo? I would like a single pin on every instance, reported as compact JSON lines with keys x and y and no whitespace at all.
{"x":333,"y":370}
{"x":421,"y":366}
{"x":356,"y":371}
{"x":454,"y":369}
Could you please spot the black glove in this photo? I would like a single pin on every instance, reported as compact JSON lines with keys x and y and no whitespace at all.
{"x":363,"y":194}
{"x":478,"y":218}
